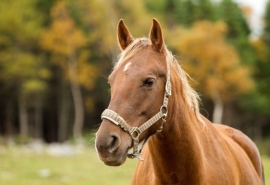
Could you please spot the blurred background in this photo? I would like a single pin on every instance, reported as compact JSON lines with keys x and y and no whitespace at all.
{"x":56,"y":55}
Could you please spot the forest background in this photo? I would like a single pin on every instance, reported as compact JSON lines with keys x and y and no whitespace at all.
{"x":56,"y":55}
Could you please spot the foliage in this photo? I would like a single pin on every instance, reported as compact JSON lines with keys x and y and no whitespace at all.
{"x":39,"y":39}
{"x":217,"y":66}
{"x":184,"y":12}
{"x":19,"y":33}
{"x":21,"y":63}
{"x":266,"y":30}
{"x":55,"y":40}
{"x":238,"y":30}
{"x":262,"y":69}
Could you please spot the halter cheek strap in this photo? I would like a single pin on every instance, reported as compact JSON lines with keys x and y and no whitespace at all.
{"x":135,"y":132}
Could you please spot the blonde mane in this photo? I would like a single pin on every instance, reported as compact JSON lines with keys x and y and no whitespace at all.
{"x":190,"y":95}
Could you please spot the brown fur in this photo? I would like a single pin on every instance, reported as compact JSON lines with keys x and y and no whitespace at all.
{"x":190,"y":150}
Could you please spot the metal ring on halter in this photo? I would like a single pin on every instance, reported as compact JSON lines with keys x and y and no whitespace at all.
{"x":162,"y":109}
{"x":135,"y":133}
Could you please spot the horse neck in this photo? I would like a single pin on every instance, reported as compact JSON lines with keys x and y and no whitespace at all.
{"x":176,"y":151}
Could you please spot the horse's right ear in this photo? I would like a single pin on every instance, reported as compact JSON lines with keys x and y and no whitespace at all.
{"x":123,"y":35}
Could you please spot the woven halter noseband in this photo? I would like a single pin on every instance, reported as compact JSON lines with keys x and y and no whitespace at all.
{"x":135,"y":132}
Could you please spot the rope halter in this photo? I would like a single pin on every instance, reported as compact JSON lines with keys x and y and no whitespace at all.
{"x":135,"y":132}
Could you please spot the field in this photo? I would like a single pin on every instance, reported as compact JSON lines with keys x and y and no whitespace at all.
{"x":24,"y":166}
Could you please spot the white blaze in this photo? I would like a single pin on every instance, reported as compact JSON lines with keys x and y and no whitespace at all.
{"x":126,"y":66}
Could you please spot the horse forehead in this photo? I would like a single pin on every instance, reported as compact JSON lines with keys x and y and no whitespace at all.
{"x":140,"y":63}
{"x":143,"y":60}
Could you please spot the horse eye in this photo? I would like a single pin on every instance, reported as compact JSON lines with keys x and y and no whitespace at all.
{"x":149,"y":82}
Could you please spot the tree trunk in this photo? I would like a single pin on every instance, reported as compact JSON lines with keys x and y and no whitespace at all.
{"x":63,"y":113}
{"x":218,"y":107}
{"x":77,"y":98}
{"x":23,"y":116}
{"x":9,"y":121}
{"x":38,"y":119}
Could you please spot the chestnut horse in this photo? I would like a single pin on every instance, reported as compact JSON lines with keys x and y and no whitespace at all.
{"x":151,"y":99}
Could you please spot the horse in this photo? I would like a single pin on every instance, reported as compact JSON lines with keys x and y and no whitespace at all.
{"x":153,"y":115}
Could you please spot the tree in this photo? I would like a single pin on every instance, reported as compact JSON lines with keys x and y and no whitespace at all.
{"x":266,"y":30}
{"x":65,"y":41}
{"x":214,"y":63}
{"x":259,"y":101}
{"x":20,"y":63}
{"x":184,"y":12}
{"x":238,"y":30}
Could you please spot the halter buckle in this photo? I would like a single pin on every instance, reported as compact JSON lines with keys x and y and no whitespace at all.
{"x":135,"y":133}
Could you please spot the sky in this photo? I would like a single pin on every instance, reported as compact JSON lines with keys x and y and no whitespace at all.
{"x":258,"y":7}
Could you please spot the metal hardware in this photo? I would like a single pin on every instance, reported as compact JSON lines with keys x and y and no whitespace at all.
{"x":162,"y":109}
{"x":135,"y":134}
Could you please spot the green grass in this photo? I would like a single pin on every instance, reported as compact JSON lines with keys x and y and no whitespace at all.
{"x":21,"y":167}
{"x":18,"y":167}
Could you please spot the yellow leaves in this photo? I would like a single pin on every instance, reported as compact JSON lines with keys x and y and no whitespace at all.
{"x":63,"y":37}
{"x":21,"y":21}
{"x":33,"y":86}
{"x":87,"y":72}
{"x":18,"y":64}
{"x":25,"y":71}
{"x":214,"y":30}
{"x":65,"y":41}
{"x":212,"y":62}
{"x":59,"y":11}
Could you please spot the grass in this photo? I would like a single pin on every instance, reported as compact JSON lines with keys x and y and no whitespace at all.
{"x":21,"y":167}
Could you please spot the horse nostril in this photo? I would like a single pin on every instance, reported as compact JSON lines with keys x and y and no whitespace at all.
{"x":114,"y":144}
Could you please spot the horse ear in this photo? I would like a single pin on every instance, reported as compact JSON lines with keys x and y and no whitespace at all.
{"x":123,"y":35}
{"x":156,"y":36}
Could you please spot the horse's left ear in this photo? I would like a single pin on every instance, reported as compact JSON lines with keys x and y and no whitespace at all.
{"x":156,"y":36}
{"x":123,"y":35}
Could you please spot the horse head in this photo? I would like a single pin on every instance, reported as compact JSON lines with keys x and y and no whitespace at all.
{"x":139,"y":95}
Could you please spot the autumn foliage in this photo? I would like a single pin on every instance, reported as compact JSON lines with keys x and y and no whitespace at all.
{"x":213,"y":62}
{"x":55,"y":56}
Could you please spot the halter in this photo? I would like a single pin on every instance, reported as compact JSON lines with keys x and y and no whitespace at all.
{"x":135,"y":132}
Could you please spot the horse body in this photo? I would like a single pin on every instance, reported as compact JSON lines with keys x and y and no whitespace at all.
{"x":211,"y":157}
{"x":190,"y":150}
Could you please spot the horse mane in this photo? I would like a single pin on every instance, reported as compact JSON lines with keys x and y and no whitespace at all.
{"x":136,"y":46}
{"x":190,"y":96}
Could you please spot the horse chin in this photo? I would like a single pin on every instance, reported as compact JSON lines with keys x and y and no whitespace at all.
{"x":115,"y":160}
{"x":118,"y":162}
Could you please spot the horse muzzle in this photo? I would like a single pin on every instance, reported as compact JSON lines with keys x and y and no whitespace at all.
{"x":112,"y":147}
